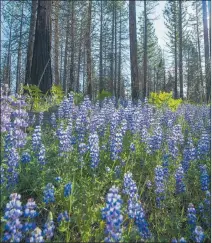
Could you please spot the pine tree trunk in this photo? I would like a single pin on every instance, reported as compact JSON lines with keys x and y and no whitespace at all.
{"x":175,"y":60}
{"x":207,"y":60}
{"x":8,"y":68}
{"x":72,"y":68}
{"x":133,"y":50}
{"x":18,"y":73}
{"x":66,"y":52}
{"x":0,"y":48}
{"x":79,"y":59}
{"x":88,"y":52}
{"x":101,"y":85}
{"x":115,"y":68}
{"x":119,"y":68}
{"x":199,"y":55}
{"x":180,"y":51}
{"x":41,"y":72}
{"x":31,"y":42}
{"x":188,"y":75}
{"x":209,"y":12}
{"x":56,"y":44}
{"x":111,"y":60}
{"x":145,"y":51}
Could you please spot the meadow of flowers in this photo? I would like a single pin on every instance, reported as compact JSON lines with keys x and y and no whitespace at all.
{"x":113,"y":172}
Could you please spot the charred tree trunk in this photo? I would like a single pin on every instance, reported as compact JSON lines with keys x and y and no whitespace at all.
{"x":133,"y":50}
{"x":41,"y":61}
{"x":31,"y":42}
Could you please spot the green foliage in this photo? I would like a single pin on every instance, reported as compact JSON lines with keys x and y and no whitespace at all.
{"x":104,"y":94}
{"x":40,"y":102}
{"x":78,"y":98}
{"x":162,"y":99}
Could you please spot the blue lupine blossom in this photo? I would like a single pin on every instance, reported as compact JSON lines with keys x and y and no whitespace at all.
{"x":203,"y":145}
{"x":132,"y":147}
{"x":53,"y":120}
{"x":30,"y":213}
{"x":36,"y":139}
{"x":94,"y":149}
{"x":63,"y":217}
{"x":48,"y":231}
{"x":135,"y":209}
{"x":191,"y":215}
{"x":182,"y":240}
{"x":67,"y":189}
{"x":58,"y":179}
{"x":174,"y":240}
{"x":41,"y":156}
{"x":199,"y":234}
{"x":64,"y":143}
{"x":179,"y":175}
{"x":204,"y":178}
{"x":112,"y":215}
{"x":13,"y":227}
{"x":36,"y":236}
{"x":49,"y":193}
{"x":159,"y":184}
{"x":26,"y":158}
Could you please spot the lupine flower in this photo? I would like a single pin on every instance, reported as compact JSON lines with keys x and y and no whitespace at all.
{"x":36,"y":139}
{"x":94,"y":149}
{"x":67,"y":189}
{"x":2,"y":179}
{"x":112,"y":215}
{"x":199,"y":234}
{"x":204,"y":178}
{"x":12,"y":214}
{"x":83,"y":148}
{"x":25,"y":158}
{"x":48,"y":231}
{"x":132,"y":147}
{"x":116,"y":145}
{"x":53,"y":120}
{"x":63,"y":217}
{"x":174,"y":240}
{"x":179,"y":175}
{"x":36,"y":236}
{"x":12,"y":162}
{"x":48,"y":193}
{"x":64,"y":144}
{"x":159,"y":184}
{"x":41,"y":155}
{"x":182,"y":240}
{"x":191,"y":214}
{"x":58,"y":179}
{"x":30,"y":213}
{"x":135,"y":209}
{"x":203,"y":144}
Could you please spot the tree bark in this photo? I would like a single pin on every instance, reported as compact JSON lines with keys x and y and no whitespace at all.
{"x":209,"y":12}
{"x":133,"y":50}
{"x":111,"y":60}
{"x":31,"y":41}
{"x":79,"y":59}
{"x":56,"y":44}
{"x":41,"y":62}
{"x":101,"y":85}
{"x":8,"y":68}
{"x":115,"y":68}
{"x":175,"y":60}
{"x":18,"y":73}
{"x":207,"y":60}
{"x":199,"y":55}
{"x":88,"y":51}
{"x":0,"y":47}
{"x":72,"y":68}
{"x":180,"y":50}
{"x":66,"y":52}
{"x":119,"y":68}
{"x":145,"y":51}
